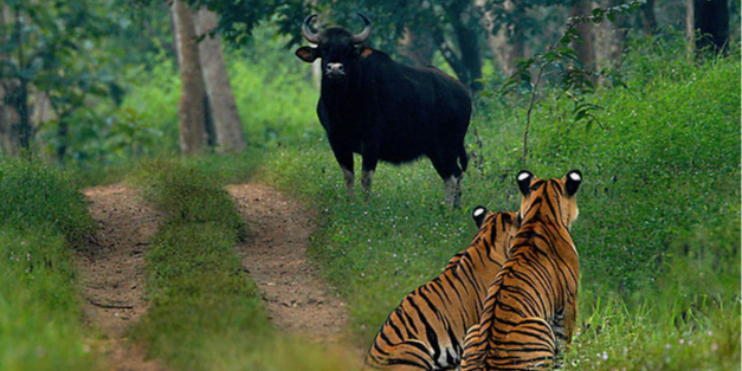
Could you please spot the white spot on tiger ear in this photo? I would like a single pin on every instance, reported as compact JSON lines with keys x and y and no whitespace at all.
{"x":575,"y":176}
{"x":523,"y":176}
{"x":478,"y":211}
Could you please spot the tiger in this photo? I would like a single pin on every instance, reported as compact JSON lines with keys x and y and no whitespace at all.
{"x":530,"y":311}
{"x":426,"y":331}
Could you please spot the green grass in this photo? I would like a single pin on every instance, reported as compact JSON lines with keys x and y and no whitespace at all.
{"x":41,"y":325}
{"x":206,"y":313}
{"x":659,"y":227}
{"x":35,"y":195}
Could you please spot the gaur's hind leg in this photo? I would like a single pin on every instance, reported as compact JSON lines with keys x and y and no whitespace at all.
{"x":451,"y":174}
{"x":370,"y":160}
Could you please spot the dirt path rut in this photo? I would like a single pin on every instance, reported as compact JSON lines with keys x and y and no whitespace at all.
{"x":298,"y":301}
{"x":112,"y":268}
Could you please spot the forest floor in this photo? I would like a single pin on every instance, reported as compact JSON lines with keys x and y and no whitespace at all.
{"x":111,"y":264}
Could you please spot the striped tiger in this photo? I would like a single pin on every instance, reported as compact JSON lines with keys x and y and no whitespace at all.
{"x":530,"y":311}
{"x":426,"y":331}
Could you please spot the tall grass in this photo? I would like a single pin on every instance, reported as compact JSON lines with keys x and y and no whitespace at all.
{"x":41,"y":326}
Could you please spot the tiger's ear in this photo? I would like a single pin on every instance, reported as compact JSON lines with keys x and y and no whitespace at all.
{"x":307,"y":54}
{"x":524,"y":181}
{"x":572,"y":182}
{"x":478,"y":215}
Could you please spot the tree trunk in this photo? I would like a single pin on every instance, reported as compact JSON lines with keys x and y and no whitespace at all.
{"x":191,"y":110}
{"x":584,"y":46}
{"x":648,"y":19}
{"x":417,"y":46}
{"x":505,"y":41}
{"x":230,"y":136}
{"x":710,"y":24}
{"x":610,"y":37}
{"x":465,"y":26}
{"x":9,"y":116}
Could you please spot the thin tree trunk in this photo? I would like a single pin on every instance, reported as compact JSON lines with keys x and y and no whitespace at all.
{"x":711,"y":22}
{"x":417,"y":46}
{"x":230,"y":136}
{"x":648,"y":19}
{"x":465,"y":27}
{"x":505,"y":41}
{"x":9,"y":117}
{"x":191,"y":110}
{"x":610,"y":37}
{"x":584,"y":46}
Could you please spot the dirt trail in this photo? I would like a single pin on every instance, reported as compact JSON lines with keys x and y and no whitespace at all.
{"x":111,"y":265}
{"x":298,"y":301}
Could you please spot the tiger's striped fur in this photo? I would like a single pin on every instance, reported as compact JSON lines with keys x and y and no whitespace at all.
{"x":530,"y":310}
{"x":426,"y":331}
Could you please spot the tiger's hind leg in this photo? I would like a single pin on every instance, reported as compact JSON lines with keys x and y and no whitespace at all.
{"x":410,"y":355}
{"x":530,"y":345}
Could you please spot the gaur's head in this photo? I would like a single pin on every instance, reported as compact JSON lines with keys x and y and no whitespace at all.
{"x":338,"y":48}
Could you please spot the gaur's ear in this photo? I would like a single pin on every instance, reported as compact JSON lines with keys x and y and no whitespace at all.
{"x":478,"y":215}
{"x":307,"y":54}
{"x":524,"y":181}
{"x":572,"y":182}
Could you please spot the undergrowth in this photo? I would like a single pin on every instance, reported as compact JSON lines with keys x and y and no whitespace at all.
{"x":42,"y":214}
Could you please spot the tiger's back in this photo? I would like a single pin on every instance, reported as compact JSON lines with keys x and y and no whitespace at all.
{"x":426,"y":331}
{"x":530,"y":310}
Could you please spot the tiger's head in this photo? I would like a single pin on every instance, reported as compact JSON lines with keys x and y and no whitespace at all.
{"x":558,"y":194}
{"x":495,"y":228}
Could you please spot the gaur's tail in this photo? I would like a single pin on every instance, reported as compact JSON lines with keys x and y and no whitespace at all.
{"x":463,"y":158}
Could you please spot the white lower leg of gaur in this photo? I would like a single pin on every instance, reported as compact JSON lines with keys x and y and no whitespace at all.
{"x":453,"y":191}
{"x":367,"y":177}
{"x":349,"y":181}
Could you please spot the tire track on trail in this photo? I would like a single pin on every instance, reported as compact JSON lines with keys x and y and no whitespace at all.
{"x":112,"y":269}
{"x":275,"y":256}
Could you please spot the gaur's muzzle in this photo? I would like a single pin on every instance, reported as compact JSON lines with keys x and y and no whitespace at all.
{"x":335,"y":71}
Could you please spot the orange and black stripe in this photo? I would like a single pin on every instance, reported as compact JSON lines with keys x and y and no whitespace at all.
{"x":426,"y":331}
{"x":530,"y":311}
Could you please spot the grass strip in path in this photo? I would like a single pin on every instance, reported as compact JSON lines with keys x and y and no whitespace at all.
{"x":205,"y":312}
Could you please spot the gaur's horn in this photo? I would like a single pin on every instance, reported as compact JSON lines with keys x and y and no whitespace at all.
{"x":363,"y":36}
{"x":308,"y":34}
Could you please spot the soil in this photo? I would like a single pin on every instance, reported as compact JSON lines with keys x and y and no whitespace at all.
{"x":111,"y":264}
{"x":298,"y":301}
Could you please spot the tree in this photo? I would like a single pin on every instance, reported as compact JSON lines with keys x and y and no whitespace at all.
{"x":192,"y":107}
{"x":708,"y":24}
{"x":230,"y":136}
{"x":50,"y":50}
{"x":584,"y":45}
